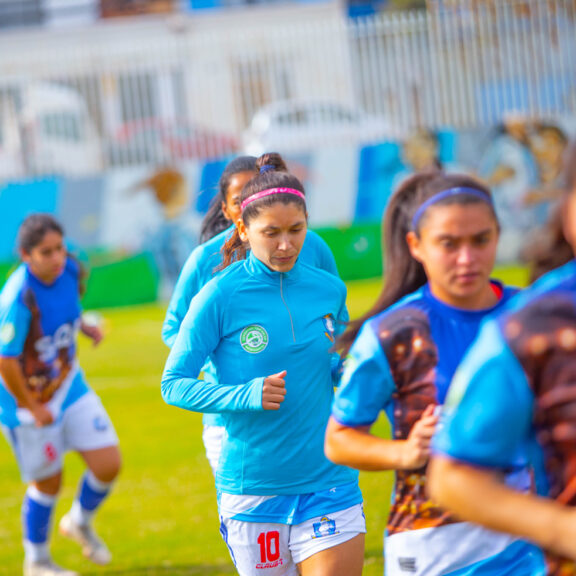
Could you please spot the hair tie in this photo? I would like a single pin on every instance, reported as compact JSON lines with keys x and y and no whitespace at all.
{"x":449,"y":193}
{"x":267,"y":168}
{"x":269,"y":192}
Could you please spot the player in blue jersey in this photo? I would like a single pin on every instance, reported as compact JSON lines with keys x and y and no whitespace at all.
{"x":204,"y":262}
{"x":46,"y":407}
{"x":268,"y":324}
{"x":199,"y":268}
{"x":515,"y":393}
{"x":440,"y":234}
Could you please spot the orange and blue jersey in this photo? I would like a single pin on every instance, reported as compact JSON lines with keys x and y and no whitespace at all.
{"x":515,"y":393}
{"x":401,"y":362}
{"x":38,"y":326}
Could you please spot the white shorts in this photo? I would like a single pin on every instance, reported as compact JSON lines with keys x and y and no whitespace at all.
{"x":259,"y":548}
{"x":84,"y":426}
{"x":212,"y":437}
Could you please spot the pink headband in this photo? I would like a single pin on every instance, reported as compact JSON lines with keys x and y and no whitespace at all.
{"x":269,"y":192}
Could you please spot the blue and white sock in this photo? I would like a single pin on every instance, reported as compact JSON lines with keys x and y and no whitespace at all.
{"x":91,"y":494}
{"x":36,"y":520}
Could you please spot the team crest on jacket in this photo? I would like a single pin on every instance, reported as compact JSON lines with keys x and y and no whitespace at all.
{"x":329,"y":326}
{"x":254,"y":339}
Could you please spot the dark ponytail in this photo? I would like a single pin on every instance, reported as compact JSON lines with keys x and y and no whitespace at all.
{"x":214,"y":221}
{"x":404,"y":274}
{"x":272,"y":173}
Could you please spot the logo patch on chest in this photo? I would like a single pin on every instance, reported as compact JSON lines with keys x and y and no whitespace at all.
{"x":254,"y":339}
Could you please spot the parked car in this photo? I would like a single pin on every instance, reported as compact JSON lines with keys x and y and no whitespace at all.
{"x":291,"y":126}
{"x":153,"y":140}
{"x":46,"y":128}
{"x":59,"y":135}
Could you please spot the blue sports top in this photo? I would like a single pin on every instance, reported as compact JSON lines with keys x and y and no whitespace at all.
{"x":201,"y":266}
{"x":253,"y":322}
{"x":38,"y":325}
{"x":523,"y":362}
{"x":402,"y":361}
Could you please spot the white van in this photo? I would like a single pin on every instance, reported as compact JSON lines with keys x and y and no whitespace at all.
{"x":58,"y":136}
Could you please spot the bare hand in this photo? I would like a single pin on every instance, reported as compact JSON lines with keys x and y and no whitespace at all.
{"x":417,"y":447}
{"x":42,"y":415}
{"x":93,"y":332}
{"x":273,"y":391}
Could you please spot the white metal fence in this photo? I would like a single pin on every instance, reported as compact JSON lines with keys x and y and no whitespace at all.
{"x":77,"y":103}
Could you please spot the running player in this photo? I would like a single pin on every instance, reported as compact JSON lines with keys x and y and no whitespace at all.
{"x":206,"y":259}
{"x":46,"y":407}
{"x":440,"y":234}
{"x":513,"y":394}
{"x":268,"y":323}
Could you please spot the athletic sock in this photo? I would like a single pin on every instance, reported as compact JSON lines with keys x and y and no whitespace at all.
{"x":91,"y":494}
{"x":36,"y":520}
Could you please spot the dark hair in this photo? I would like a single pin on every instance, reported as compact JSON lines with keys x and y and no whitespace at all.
{"x":272,"y":173}
{"x":405,"y":274}
{"x":214,"y":221}
{"x":34,"y":228}
{"x":548,"y":248}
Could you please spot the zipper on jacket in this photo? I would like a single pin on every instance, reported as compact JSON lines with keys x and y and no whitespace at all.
{"x":286,"y":305}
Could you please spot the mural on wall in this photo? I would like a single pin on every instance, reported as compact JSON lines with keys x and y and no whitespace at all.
{"x":520,"y":160}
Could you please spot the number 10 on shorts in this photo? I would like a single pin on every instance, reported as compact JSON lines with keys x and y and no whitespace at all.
{"x":269,"y":543}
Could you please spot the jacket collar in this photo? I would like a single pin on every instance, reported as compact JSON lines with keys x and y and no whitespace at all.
{"x":259,"y":270}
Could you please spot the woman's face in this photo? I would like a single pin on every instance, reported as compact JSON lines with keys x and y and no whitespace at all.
{"x":231,"y":207}
{"x":48,"y":258}
{"x":457,"y":247}
{"x":276,"y":235}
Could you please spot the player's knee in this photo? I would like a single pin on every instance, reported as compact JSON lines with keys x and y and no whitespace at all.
{"x":107,"y":469}
{"x":50,"y":486}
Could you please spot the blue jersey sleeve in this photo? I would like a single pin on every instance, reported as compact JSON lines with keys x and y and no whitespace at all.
{"x":14,"y":324}
{"x":187,"y":286}
{"x":367,"y":384}
{"x":487,"y":416}
{"x":198,"y":337}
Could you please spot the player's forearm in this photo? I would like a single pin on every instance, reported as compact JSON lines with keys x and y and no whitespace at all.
{"x":480,"y":496}
{"x":358,"y":448}
{"x":14,"y":380}
{"x":213,"y":397}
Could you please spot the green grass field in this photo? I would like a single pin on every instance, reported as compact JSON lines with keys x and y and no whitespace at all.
{"x":162,"y":517}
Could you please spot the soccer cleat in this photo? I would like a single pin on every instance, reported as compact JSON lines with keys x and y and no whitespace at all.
{"x":46,"y":568}
{"x":92,"y":547}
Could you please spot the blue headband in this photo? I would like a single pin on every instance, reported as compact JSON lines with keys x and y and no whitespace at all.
{"x":266,"y":168}
{"x":449,"y":193}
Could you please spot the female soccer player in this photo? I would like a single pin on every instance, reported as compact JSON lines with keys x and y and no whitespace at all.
{"x":513,"y":394}
{"x":441,"y":234}
{"x":46,"y":407}
{"x":204,"y":262}
{"x":268,"y":323}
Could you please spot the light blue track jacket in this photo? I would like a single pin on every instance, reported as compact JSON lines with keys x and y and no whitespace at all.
{"x":202,"y":265}
{"x":253,"y":322}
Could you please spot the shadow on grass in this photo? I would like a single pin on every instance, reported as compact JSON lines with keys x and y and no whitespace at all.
{"x":183,"y":570}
